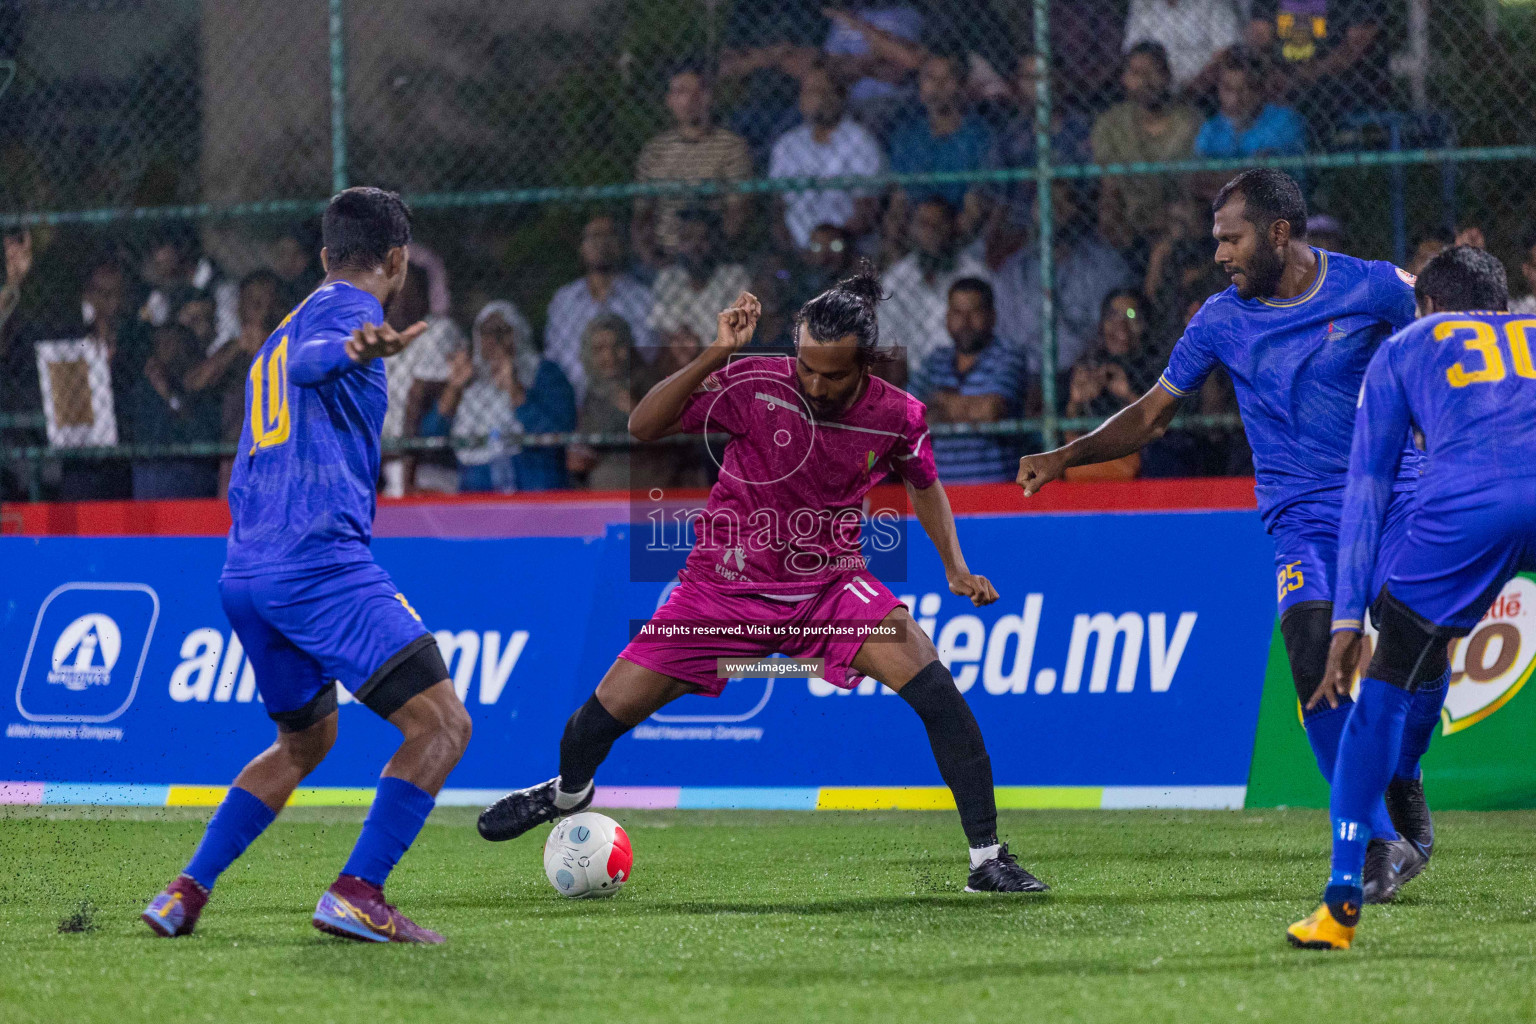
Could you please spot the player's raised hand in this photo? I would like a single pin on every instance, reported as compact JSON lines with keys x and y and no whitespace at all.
{"x":1339,"y":675}
{"x":736,"y":324}
{"x":1035,"y":471}
{"x":380,"y":341}
{"x":978,"y":588}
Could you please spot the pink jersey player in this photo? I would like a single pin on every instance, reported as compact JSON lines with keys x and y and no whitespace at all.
{"x":779,"y":542}
{"x":777,"y":565}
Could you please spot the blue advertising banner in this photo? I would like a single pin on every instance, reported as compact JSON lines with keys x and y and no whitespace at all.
{"x":1127,"y":650}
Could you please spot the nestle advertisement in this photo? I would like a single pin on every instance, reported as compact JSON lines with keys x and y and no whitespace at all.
{"x":1125,"y":651}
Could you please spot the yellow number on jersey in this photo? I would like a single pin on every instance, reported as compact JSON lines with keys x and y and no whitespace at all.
{"x":1484,"y":342}
{"x":407,"y":604}
{"x":270,"y":423}
{"x":1520,"y":346}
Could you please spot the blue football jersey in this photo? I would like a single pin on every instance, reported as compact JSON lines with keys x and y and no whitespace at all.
{"x":1296,"y":366}
{"x":302,"y":493}
{"x":1467,"y":383}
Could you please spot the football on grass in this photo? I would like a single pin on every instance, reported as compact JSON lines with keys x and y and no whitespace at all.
{"x":586,"y":855}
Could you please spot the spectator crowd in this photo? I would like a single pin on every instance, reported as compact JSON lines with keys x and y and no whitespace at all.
{"x":879,"y":88}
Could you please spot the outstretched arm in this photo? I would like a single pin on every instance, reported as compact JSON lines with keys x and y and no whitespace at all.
{"x":931,"y":506}
{"x":327,"y":355}
{"x":658,"y":413}
{"x":1129,"y":430}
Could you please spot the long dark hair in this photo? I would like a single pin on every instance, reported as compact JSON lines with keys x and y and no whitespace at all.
{"x":848,"y":307}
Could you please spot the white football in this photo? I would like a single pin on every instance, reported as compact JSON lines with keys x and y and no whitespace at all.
{"x":587,"y":854}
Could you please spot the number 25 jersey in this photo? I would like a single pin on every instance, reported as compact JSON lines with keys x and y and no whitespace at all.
{"x":302,"y":492}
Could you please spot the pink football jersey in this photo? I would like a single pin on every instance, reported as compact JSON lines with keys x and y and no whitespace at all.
{"x":786,"y":512}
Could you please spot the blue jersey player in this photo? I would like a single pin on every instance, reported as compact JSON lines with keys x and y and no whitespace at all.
{"x":302,"y":590}
{"x":1466,"y":381}
{"x":1295,"y":331}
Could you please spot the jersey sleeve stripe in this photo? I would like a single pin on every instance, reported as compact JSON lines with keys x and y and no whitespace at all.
{"x":1343,"y":624}
{"x":1168,"y":386}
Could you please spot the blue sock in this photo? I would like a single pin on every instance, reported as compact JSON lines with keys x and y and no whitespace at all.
{"x":1324,"y":727}
{"x":1368,"y":750}
{"x":1419,"y":727}
{"x":233,"y":827}
{"x":398,"y":812}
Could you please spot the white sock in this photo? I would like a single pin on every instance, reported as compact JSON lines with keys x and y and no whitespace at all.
{"x":565,"y":801}
{"x":981,"y":854}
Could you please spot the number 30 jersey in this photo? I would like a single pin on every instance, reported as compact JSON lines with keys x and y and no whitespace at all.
{"x":302,"y":493}
{"x":1467,"y":383}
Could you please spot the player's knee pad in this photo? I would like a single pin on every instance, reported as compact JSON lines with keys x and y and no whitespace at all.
{"x":1410,"y":652}
{"x":1307,"y":630}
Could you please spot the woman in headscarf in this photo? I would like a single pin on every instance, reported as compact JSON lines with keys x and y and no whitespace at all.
{"x":506,"y":389}
{"x":615,"y":376}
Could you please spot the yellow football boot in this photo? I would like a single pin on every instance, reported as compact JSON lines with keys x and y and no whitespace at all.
{"x":1320,"y":931}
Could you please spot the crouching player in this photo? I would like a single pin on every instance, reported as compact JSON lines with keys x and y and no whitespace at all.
{"x":810,"y":434}
{"x":302,"y":590}
{"x":1464,"y":377}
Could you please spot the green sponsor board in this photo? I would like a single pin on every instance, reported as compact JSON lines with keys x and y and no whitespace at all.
{"x":1483,"y":756}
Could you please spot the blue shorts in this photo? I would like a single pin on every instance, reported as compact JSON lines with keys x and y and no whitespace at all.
{"x":1462,"y":548}
{"x":1307,"y":549}
{"x":304,"y":629}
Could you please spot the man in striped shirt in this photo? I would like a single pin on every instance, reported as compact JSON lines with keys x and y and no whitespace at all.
{"x":974,"y":378}
{"x":695,"y":150}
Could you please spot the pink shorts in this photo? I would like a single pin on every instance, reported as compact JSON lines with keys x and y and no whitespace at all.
{"x":711,"y":622}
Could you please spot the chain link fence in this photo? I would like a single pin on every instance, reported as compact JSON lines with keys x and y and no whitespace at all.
{"x":593,"y":180}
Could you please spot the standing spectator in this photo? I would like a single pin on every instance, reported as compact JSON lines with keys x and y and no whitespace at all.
{"x":772,"y":283}
{"x":1182,"y":266}
{"x":18,"y":264}
{"x":827,"y":144}
{"x":1526,"y":304}
{"x":19,"y":383}
{"x":1115,"y":373}
{"x":504,"y":390}
{"x":764,"y":56}
{"x":1330,"y":58}
{"x":1147,"y":126}
{"x":1427,"y":246}
{"x":175,"y":268}
{"x":166,"y":412}
{"x":296,"y":262}
{"x":1191,"y":32}
{"x":1245,"y":125}
{"x":106,"y":306}
{"x":1325,"y":231}
{"x":947,"y":137}
{"x":222,"y":375}
{"x":602,"y":288}
{"x":415,"y":378}
{"x":694,"y":150}
{"x":614,"y":378}
{"x":1118,"y":369}
{"x":1013,"y":204}
{"x":197,"y":312}
{"x":870,"y":45}
{"x":826,"y":259}
{"x":973,"y":378}
{"x":918,"y":285}
{"x":691,"y":292}
{"x":1086,"y":270}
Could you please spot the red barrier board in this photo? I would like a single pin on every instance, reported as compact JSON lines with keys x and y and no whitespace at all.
{"x":576,"y":512}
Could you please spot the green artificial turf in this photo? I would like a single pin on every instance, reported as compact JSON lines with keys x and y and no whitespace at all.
{"x":748,"y":916}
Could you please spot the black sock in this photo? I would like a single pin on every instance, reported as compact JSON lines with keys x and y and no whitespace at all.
{"x":589,"y":735}
{"x":958,"y":748}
